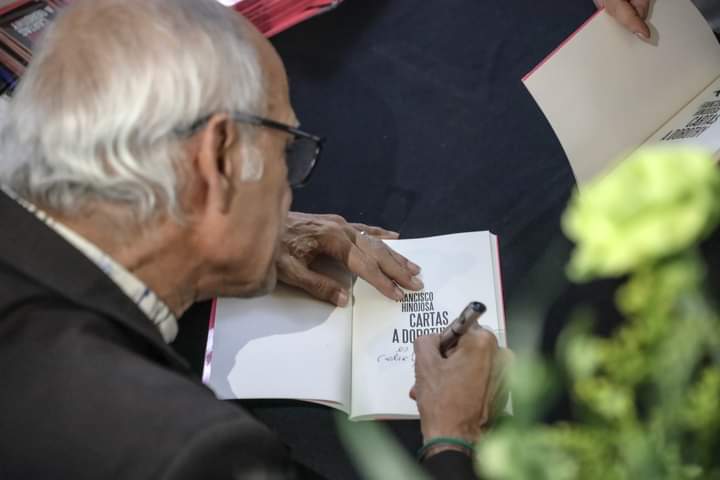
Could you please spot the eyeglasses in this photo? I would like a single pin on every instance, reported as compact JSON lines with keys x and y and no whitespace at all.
{"x":301,"y":154}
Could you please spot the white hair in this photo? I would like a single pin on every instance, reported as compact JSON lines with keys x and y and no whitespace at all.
{"x":96,"y":115}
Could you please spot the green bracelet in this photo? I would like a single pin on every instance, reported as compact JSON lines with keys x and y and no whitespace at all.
{"x":458,"y":442}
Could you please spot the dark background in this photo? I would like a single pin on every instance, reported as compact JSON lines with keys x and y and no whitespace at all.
{"x":430,"y":131}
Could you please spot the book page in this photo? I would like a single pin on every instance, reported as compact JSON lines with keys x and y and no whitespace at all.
{"x":286,"y":345}
{"x":605,"y":91}
{"x":696,"y":124}
{"x":457,"y":269}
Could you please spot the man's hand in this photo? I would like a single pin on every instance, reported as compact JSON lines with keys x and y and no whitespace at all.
{"x":359,"y":247}
{"x":630,"y":13}
{"x":456,"y":396}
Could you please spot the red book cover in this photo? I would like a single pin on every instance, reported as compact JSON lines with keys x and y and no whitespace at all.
{"x":21,"y":21}
{"x":274,"y":16}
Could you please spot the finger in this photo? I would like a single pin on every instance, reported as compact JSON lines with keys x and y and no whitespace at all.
{"x":479,"y":338}
{"x":413,"y":393}
{"x":599,"y":3}
{"x":395,"y":267}
{"x":335,"y":224}
{"x":501,"y":365}
{"x":368,"y":240}
{"x":376,"y":232}
{"x":504,"y":359}
{"x":413,"y":267}
{"x":427,"y":347}
{"x":628,"y":16}
{"x":341,"y":248}
{"x":361,"y":264}
{"x":499,"y":393}
{"x":495,"y":387}
{"x":331,"y":217}
{"x":316,"y":284}
{"x":642,"y":7}
{"x":367,"y":268}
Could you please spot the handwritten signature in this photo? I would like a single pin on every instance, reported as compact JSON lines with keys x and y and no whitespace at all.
{"x":402,"y":355}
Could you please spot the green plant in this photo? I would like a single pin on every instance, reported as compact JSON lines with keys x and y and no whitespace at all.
{"x":649,"y":396}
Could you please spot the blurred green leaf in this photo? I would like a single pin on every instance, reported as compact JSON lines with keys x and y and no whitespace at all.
{"x":376,"y":453}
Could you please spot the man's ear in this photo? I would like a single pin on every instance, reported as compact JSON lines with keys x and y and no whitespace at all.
{"x":217,"y":143}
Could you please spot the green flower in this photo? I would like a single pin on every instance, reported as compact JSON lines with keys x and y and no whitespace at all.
{"x":657,"y":202}
{"x":521,"y":455}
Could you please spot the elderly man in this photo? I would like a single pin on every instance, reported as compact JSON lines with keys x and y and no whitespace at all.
{"x":147,"y":164}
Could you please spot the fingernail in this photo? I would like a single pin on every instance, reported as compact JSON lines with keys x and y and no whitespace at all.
{"x":399,"y":294}
{"x":341,"y":299}
{"x":416,"y":283}
{"x":641,"y":36}
{"x":396,"y":234}
{"x":414,"y":267}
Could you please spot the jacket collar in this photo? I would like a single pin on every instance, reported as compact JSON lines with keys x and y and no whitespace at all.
{"x":32,"y":248}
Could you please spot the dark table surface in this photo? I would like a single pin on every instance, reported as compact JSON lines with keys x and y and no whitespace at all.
{"x":430,"y":131}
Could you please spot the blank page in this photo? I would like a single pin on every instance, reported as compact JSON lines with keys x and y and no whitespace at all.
{"x":604,"y":91}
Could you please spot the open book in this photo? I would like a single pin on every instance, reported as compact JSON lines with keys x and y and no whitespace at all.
{"x":358,"y":359}
{"x":605,"y":92}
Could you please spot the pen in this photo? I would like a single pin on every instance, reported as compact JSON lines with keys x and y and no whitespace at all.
{"x":449,"y":338}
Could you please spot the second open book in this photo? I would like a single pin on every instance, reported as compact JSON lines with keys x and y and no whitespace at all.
{"x":606,"y":93}
{"x":358,"y":359}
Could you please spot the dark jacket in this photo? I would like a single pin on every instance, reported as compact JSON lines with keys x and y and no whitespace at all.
{"x":89,"y":389}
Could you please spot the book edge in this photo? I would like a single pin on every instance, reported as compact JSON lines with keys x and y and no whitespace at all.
{"x":207,"y":359}
{"x":562,"y":44}
{"x":499,"y":291}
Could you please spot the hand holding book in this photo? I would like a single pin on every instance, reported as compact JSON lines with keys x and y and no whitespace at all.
{"x":606,"y":94}
{"x":630,"y":13}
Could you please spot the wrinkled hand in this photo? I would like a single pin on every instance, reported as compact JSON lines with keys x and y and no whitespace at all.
{"x":458,"y":395}
{"x":630,"y":13}
{"x":308,"y":236}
